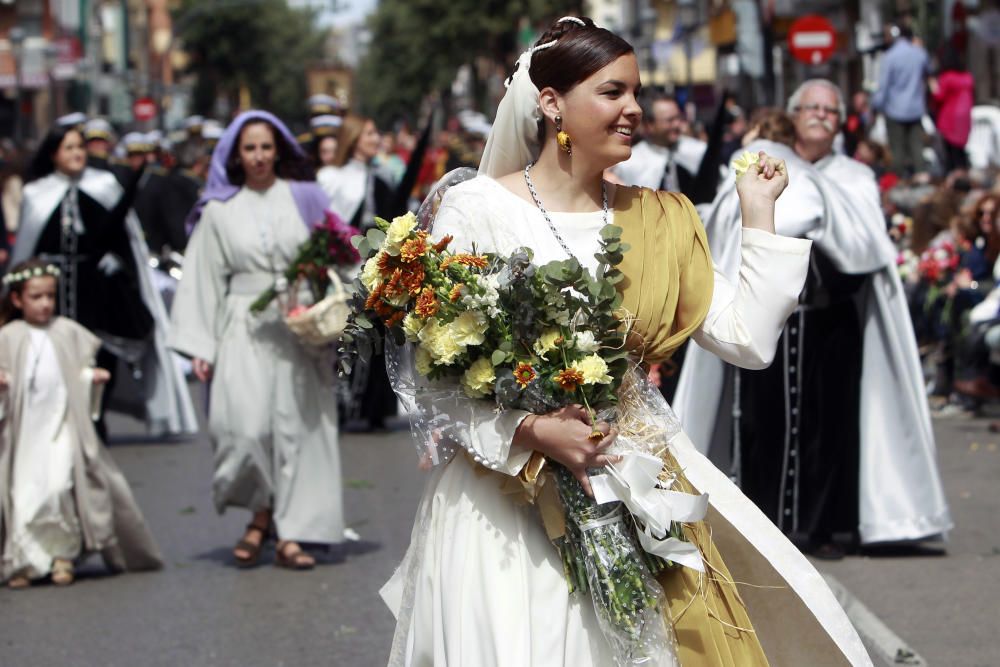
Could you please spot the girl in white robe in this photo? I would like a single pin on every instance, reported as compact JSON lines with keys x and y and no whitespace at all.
{"x":62,"y":495}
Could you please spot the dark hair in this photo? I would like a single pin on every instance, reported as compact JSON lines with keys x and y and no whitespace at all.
{"x":314,"y":146}
{"x":952,"y":60}
{"x":8,"y":311}
{"x":649,"y":98}
{"x":579,"y":51}
{"x":289,"y":163}
{"x":43,"y":162}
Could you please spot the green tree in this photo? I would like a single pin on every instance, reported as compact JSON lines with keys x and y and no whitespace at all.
{"x":264,"y":45}
{"x":417,"y":46}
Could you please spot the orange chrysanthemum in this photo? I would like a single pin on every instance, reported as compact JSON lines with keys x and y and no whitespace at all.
{"x":414,"y":248}
{"x":386,"y":264}
{"x":524,"y":374}
{"x":477,"y":261}
{"x":443,"y":243}
{"x":427,"y":304}
{"x":394,"y":288}
{"x":456,"y":293}
{"x":413,"y":278}
{"x":374,"y":297}
{"x":384,"y":310}
{"x":568,"y":379}
{"x":395,"y":318}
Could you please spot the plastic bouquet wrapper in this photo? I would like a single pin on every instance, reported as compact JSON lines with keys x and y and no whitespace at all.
{"x":310,"y":294}
{"x":470,"y":339}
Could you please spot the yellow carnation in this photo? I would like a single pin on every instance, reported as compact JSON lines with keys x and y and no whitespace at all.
{"x":478,"y":378}
{"x":399,"y":230}
{"x":469,"y":328}
{"x":744,"y":162}
{"x":423,"y":361}
{"x":547,"y":342}
{"x":594,"y":370}
{"x":370,"y":275}
{"x":440,"y":343}
{"x":412,"y":326}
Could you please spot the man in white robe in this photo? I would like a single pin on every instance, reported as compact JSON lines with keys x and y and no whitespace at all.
{"x":836,"y":435}
{"x":666,"y":159}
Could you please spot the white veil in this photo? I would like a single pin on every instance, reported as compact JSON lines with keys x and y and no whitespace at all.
{"x":513,"y":141}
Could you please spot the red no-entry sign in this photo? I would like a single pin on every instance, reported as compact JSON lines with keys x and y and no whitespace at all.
{"x":811,"y":39}
{"x":144,"y":108}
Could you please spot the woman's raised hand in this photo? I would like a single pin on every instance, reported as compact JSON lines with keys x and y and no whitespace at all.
{"x":564,"y":436}
{"x":202,"y":369}
{"x":764,"y":180}
{"x":758,"y":188}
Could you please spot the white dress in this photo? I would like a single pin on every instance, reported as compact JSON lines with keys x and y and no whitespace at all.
{"x":44,"y":521}
{"x":273,"y":410}
{"x":481,"y":584}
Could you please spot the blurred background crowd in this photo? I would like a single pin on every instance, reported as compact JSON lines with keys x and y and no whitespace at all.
{"x":408,"y":90}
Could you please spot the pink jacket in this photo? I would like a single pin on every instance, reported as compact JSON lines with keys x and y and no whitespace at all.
{"x":954,"y":98}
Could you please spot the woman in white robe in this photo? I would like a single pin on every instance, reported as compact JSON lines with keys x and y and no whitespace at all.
{"x":272,"y":407}
{"x":481,"y":584}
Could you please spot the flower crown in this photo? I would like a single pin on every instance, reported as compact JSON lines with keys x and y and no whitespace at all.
{"x":27,"y":274}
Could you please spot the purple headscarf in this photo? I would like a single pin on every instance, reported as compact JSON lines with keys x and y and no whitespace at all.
{"x":310,"y":199}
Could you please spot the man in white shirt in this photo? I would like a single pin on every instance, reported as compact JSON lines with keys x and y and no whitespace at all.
{"x":666,"y":159}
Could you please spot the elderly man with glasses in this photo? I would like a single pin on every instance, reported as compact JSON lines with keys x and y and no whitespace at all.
{"x":833,"y":442}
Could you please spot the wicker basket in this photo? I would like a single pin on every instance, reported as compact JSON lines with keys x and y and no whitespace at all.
{"x":323,"y":322}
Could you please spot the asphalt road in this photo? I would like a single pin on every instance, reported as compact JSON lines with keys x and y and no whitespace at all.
{"x":202,"y":611}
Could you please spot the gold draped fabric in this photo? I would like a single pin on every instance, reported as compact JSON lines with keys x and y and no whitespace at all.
{"x":710,"y":619}
{"x":668,"y":269}
{"x":667,"y":288}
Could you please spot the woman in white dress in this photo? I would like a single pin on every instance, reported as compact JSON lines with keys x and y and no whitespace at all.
{"x":272,"y":412}
{"x":481,"y":584}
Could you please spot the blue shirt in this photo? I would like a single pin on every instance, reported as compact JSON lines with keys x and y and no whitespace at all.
{"x":901,"y":86}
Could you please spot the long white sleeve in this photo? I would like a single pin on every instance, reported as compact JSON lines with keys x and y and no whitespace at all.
{"x":197,"y":308}
{"x":745,"y":319}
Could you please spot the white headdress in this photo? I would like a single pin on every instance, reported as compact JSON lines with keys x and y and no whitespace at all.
{"x":513,"y":141}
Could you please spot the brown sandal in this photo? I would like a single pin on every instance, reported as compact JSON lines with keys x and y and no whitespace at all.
{"x":62,"y":572}
{"x":18,"y":582}
{"x":252,"y":550}
{"x":297,"y":560}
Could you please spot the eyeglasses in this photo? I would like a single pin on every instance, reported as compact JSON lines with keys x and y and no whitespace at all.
{"x":816,"y":108}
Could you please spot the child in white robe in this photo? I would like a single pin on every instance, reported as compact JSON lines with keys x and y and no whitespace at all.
{"x":62,"y":495}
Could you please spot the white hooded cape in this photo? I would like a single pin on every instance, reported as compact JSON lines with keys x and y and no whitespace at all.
{"x":835,"y":203}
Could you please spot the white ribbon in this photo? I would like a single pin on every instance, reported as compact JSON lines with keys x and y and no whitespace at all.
{"x":634,"y":482}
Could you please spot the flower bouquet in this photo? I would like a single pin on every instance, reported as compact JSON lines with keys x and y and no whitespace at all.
{"x":535,"y":338}
{"x":327,"y":248}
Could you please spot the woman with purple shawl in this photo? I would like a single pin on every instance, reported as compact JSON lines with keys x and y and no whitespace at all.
{"x":273,"y":414}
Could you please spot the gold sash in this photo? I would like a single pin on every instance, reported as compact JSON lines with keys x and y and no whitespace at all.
{"x":668,"y":269}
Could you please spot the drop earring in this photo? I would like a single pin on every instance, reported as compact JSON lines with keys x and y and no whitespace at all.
{"x":562,"y":138}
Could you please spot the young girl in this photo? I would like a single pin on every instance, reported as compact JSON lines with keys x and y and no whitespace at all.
{"x":61,"y":494}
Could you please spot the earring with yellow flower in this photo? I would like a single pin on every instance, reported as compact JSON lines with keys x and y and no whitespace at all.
{"x":562,"y":138}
